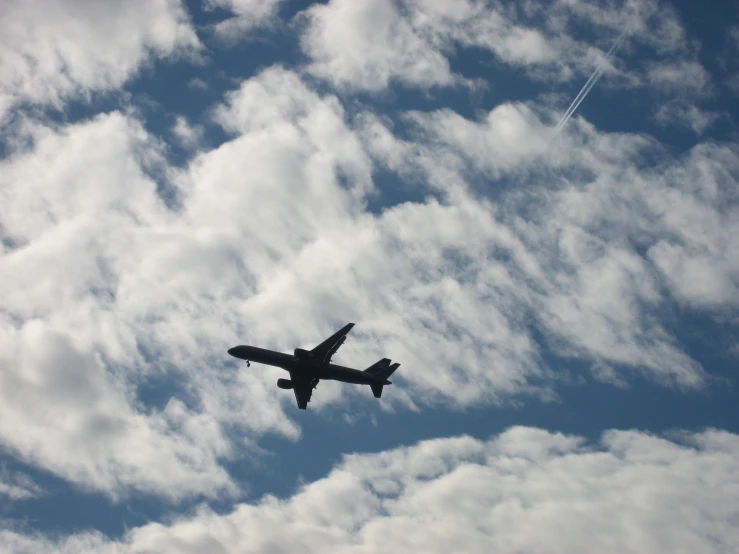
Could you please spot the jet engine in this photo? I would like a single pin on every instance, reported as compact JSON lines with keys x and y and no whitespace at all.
{"x":302,"y":354}
{"x":284,"y":383}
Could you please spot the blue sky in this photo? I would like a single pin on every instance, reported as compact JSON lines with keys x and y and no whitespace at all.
{"x":177,"y":178}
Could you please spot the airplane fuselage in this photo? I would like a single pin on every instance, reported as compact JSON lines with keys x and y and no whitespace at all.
{"x":305,"y":367}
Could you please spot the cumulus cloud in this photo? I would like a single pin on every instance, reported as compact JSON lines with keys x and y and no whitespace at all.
{"x":119,"y":270}
{"x":67,"y":399}
{"x":87,"y":431}
{"x":366,"y":44}
{"x":189,"y":136}
{"x":120,"y":274}
{"x":580,"y":273}
{"x":524,"y":490}
{"x":510,"y":136}
{"x":411,"y":41}
{"x":699,"y":212}
{"x":247,"y":16}
{"x":60,"y":50}
{"x":121,"y":287}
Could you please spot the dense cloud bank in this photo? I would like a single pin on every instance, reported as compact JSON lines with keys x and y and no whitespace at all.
{"x":525,"y":490}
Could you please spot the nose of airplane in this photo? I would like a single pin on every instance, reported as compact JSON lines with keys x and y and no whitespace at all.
{"x":234,"y":351}
{"x":242,"y":352}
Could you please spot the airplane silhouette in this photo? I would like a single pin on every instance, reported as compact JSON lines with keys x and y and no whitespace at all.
{"x":308,"y":367}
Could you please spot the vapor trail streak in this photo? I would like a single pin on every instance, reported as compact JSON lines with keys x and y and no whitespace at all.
{"x":586,"y":88}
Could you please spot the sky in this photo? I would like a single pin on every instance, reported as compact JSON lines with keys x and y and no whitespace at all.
{"x":532,"y":207}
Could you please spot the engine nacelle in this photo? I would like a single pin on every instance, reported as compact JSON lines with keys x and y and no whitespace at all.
{"x":302,"y":354}
{"x":284,"y":383}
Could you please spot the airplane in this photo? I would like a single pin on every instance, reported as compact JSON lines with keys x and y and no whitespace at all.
{"x":307,"y":367}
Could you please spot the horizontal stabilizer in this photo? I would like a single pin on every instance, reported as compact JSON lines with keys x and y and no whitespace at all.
{"x":377,"y":367}
{"x":386,"y":372}
{"x":377,"y":389}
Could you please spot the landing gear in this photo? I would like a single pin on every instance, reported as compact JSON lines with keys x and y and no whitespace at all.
{"x":248,"y":364}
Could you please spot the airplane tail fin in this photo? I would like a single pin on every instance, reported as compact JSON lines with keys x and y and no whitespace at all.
{"x":386,"y":372}
{"x":383,"y":373}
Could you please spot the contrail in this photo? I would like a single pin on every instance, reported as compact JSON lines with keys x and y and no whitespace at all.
{"x":586,"y":88}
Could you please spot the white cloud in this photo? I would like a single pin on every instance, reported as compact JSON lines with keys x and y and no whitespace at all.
{"x":697,"y":278}
{"x":189,"y":136}
{"x":63,"y":411}
{"x":197,"y":84}
{"x":687,"y":78}
{"x":69,"y":360}
{"x":683,"y":215}
{"x":269,"y":243}
{"x":119,"y":287}
{"x":700,"y":213}
{"x":524,"y":490}
{"x":653,"y":22}
{"x":510,"y":136}
{"x":117,"y":271}
{"x":576,"y":267}
{"x":248,"y":15}
{"x":367,"y":45}
{"x":53,"y":51}
{"x":15,"y":485}
{"x":686,"y":115}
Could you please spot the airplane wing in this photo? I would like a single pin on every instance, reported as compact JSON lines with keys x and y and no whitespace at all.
{"x":328,"y":348}
{"x":303,"y":392}
{"x":303,"y":388}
